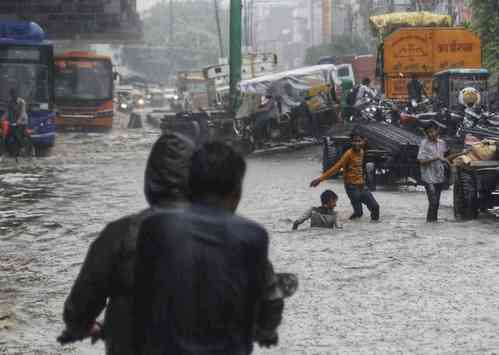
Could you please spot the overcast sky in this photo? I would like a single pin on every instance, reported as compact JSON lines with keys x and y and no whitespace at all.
{"x":144,"y":4}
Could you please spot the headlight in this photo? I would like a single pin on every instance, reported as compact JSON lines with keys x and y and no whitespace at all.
{"x":124,"y":106}
{"x":140,"y":101}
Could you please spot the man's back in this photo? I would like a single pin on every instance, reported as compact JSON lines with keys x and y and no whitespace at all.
{"x":200,"y":276}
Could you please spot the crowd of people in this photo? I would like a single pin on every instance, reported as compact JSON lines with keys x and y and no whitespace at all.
{"x":188,"y":275}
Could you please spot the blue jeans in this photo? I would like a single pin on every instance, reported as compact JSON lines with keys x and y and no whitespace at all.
{"x":358,"y":195}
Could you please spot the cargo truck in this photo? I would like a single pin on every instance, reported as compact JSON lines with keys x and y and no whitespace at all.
{"x":413,"y":45}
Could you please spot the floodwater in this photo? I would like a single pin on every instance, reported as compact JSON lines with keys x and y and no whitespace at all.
{"x":397,"y":286}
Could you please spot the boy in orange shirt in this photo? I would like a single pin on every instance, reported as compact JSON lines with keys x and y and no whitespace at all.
{"x":352,"y":163}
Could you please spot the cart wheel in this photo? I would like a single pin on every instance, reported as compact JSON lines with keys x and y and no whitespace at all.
{"x":371,"y":176}
{"x":330,"y":154}
{"x":465,"y":196}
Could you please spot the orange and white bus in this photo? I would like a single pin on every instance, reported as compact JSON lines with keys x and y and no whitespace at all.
{"x":83,"y":91}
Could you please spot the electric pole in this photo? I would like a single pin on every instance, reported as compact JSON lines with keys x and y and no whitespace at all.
{"x":219,"y":30}
{"x":170,"y":30}
{"x":234,"y":51}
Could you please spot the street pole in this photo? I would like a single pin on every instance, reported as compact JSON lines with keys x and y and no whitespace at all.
{"x":311,"y":23}
{"x":234,"y":51}
{"x":171,"y":22}
{"x":450,"y":9}
{"x":219,"y":30}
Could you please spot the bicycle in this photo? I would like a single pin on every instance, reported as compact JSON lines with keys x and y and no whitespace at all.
{"x":18,"y":142}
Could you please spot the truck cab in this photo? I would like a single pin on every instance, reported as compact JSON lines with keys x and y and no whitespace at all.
{"x":447,"y":84}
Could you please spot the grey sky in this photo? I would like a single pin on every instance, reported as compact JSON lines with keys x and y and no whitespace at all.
{"x":144,"y":4}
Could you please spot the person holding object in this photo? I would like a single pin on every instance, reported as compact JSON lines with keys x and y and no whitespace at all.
{"x":106,"y":277}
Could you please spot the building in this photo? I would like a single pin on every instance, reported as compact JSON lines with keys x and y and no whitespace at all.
{"x":94,"y":20}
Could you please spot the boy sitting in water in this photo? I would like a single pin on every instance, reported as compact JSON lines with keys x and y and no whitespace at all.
{"x":324,"y":216}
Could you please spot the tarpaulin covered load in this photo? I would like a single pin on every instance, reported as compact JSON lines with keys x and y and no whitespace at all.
{"x":484,"y":150}
{"x":383,"y":25}
{"x":289,"y":87}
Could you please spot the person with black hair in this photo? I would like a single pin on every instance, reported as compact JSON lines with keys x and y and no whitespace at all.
{"x":363,"y":94}
{"x":433,"y":158}
{"x":415,"y":90}
{"x":106,"y":275}
{"x":365,"y":91}
{"x":352,"y":164}
{"x":204,"y":284}
{"x":323,"y":216}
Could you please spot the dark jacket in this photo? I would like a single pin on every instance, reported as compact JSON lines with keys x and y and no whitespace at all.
{"x":107,"y":274}
{"x":415,"y":90}
{"x":203,"y":284}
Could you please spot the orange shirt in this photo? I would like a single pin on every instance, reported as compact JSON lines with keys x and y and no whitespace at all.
{"x":352,"y":164}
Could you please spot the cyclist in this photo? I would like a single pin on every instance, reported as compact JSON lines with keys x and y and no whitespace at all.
{"x":18,"y":120}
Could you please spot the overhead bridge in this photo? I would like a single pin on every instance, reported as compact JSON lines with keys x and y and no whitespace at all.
{"x":97,"y":21}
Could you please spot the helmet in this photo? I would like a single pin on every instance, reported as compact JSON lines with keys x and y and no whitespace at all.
{"x":469,"y":97}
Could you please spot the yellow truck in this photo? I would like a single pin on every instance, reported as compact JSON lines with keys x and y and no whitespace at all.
{"x":423,"y":51}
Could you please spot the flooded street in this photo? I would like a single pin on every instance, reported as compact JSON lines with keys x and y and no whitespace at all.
{"x":398,"y":286}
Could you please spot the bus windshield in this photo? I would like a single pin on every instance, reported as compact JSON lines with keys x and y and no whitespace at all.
{"x":30,"y":81}
{"x":81,"y":79}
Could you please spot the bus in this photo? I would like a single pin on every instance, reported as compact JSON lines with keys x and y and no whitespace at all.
{"x":83,"y":88}
{"x":26,"y":65}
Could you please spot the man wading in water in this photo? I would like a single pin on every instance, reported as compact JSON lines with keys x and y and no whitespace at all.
{"x":352,"y":163}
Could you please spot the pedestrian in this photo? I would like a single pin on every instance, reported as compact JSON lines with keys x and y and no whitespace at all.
{"x":415,"y":91}
{"x":323,"y":216}
{"x":433,"y":159}
{"x":309,"y":105}
{"x":17,"y":116}
{"x":106,"y":275}
{"x":352,"y":163}
{"x":363,"y":95}
{"x":18,"y":106}
{"x":204,"y":284}
{"x":346,"y":104}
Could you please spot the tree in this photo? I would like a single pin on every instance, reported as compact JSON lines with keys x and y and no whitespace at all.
{"x":179,"y":35}
{"x":340,"y":46}
{"x":486,"y":23}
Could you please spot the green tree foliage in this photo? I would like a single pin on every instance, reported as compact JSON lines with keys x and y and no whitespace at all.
{"x":486,"y":23}
{"x":193,"y":28}
{"x":342,"y":45}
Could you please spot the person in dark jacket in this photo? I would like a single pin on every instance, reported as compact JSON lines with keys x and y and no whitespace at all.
{"x":415,"y":90}
{"x":106,"y":275}
{"x":204,"y":284}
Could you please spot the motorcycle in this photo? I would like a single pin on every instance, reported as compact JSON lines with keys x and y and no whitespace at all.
{"x":378,"y":110}
{"x":422,"y":106}
{"x":481,"y":124}
{"x":16,"y":142}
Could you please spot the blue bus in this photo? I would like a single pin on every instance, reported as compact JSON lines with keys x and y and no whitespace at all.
{"x":26,"y":64}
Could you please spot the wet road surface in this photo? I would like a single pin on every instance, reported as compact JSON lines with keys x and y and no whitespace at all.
{"x":397,"y":286}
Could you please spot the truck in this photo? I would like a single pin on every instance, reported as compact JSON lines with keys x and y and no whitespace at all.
{"x":421,"y":50}
{"x":357,"y":67}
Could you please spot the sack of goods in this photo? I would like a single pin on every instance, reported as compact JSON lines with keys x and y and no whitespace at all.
{"x":484,"y":150}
